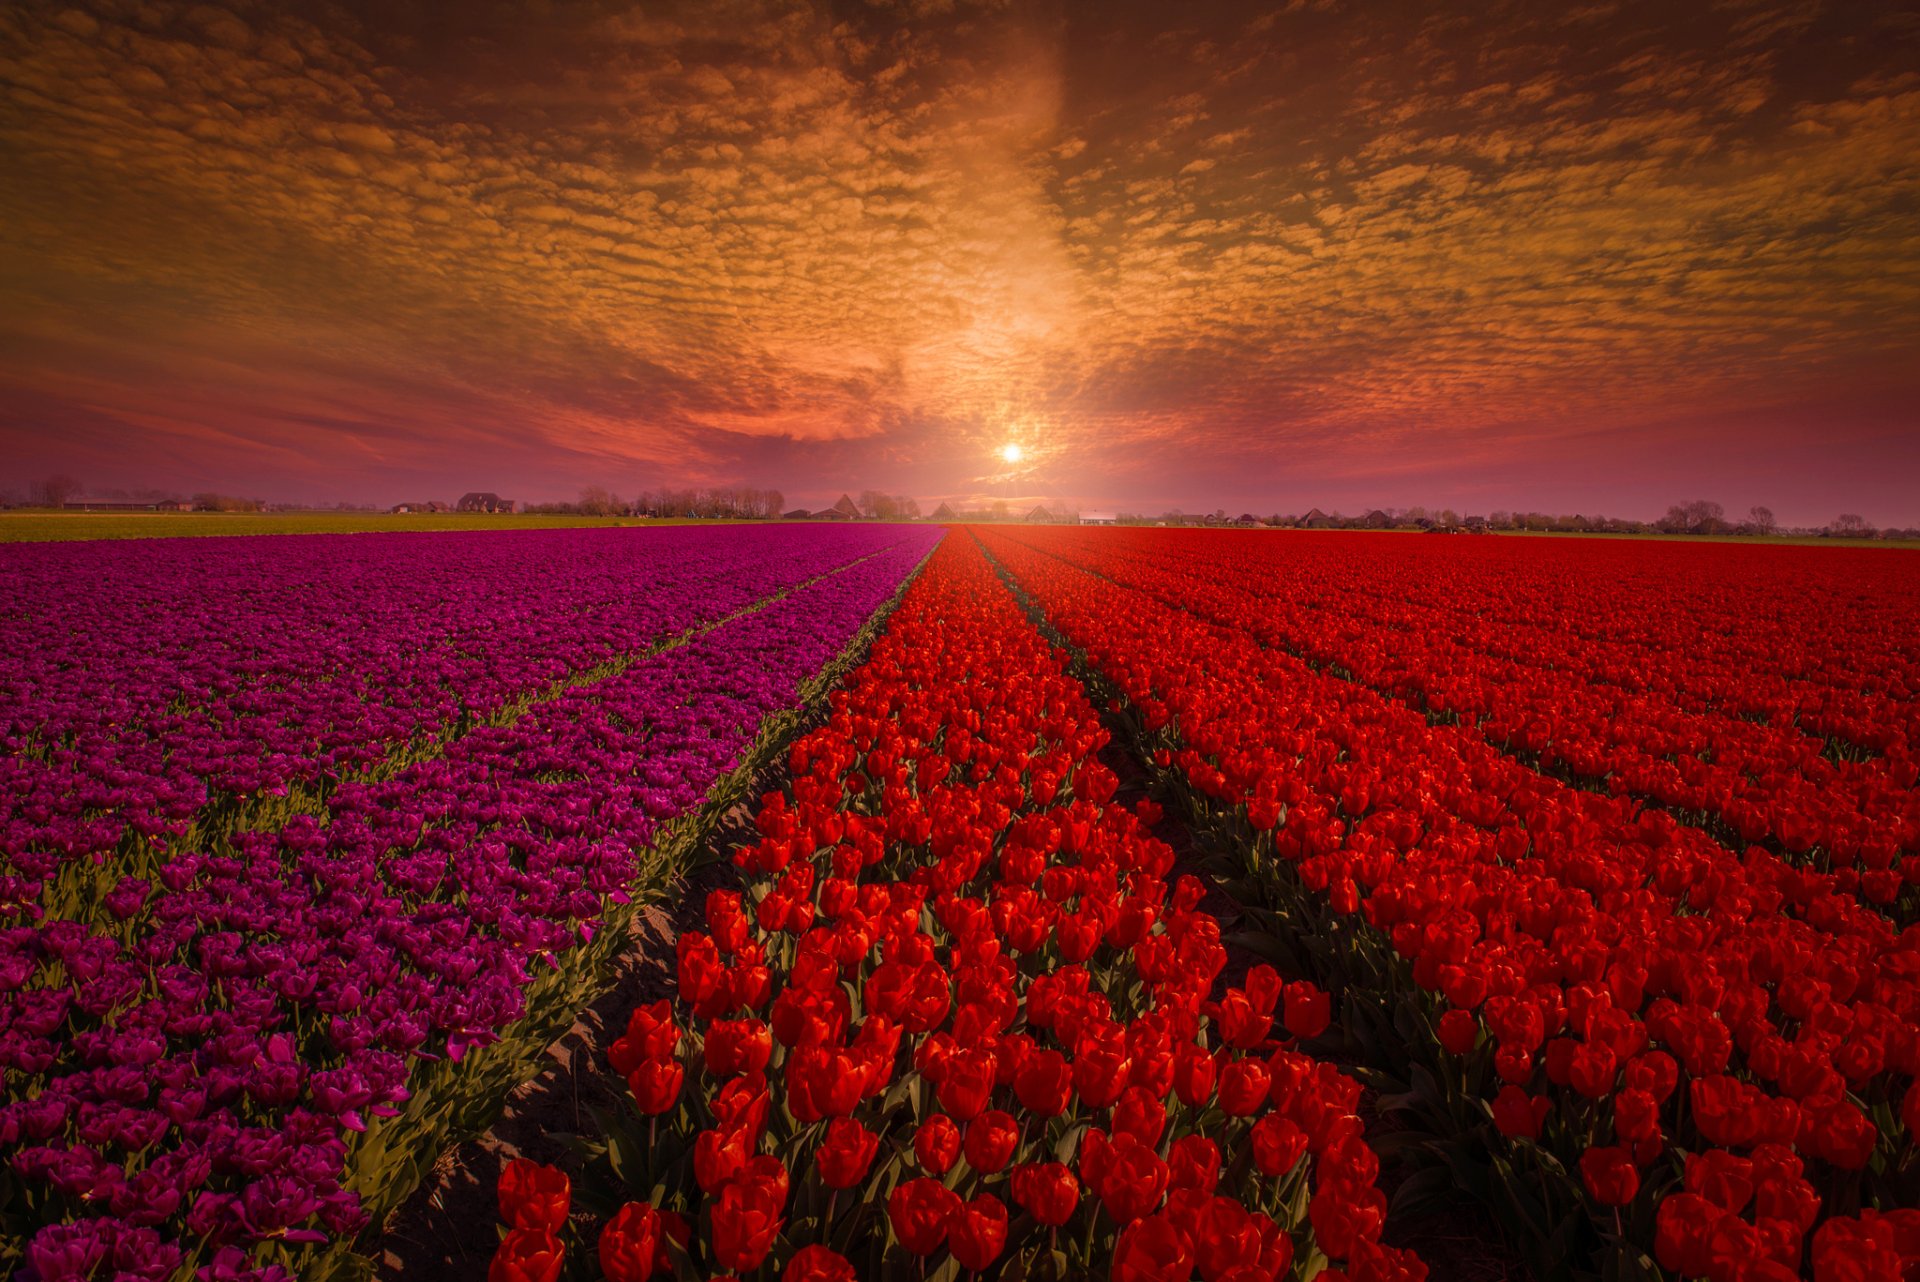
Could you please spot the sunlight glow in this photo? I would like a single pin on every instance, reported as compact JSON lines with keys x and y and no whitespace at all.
{"x":1011,"y":452}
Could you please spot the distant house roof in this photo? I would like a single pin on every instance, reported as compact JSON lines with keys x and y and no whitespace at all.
{"x":1098,"y":518}
{"x":798,"y":514}
{"x":845,"y":507}
{"x":1039,"y":515}
{"x":1315,"y":516}
{"x":944,"y":513}
{"x":484,"y":501}
{"x":1377,"y":520}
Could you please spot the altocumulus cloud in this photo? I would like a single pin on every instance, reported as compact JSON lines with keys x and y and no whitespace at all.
{"x":1175,"y":250}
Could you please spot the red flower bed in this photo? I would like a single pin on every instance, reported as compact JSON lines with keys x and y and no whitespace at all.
{"x":1692,"y":695}
{"x":961,"y":1016}
{"x":1713,"y":1052}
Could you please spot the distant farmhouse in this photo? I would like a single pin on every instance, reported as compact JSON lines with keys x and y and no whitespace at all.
{"x":1041,"y":516}
{"x":1315,"y":520}
{"x":483,"y":501}
{"x":1099,"y":518}
{"x":798,"y":514}
{"x":943,"y":513}
{"x":844,"y":510}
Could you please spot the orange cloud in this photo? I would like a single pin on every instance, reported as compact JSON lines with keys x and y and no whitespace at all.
{"x":683,"y":241}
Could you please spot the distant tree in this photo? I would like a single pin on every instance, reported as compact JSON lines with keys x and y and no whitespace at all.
{"x":1448,"y":516}
{"x":1849,"y":525}
{"x":999,"y":510}
{"x":595,"y":501}
{"x":1704,"y":516}
{"x":1760,"y":520}
{"x":909,"y":508}
{"x":54,"y":491}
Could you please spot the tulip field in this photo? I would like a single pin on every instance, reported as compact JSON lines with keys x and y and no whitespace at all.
{"x":1577,"y":879}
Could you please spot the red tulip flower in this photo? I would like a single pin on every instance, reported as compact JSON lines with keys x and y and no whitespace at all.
{"x":1308,"y":1010}
{"x":526,"y":1255}
{"x":533,"y":1196}
{"x":632,"y":1243}
{"x":815,"y":1263}
{"x":1459,"y":1031}
{"x":936,"y":1144}
{"x":655,"y":1085}
{"x":846,"y":1153}
{"x":1610,"y":1175}
{"x":1278,"y":1144}
{"x":1047,"y":1191}
{"x":738,"y":1046}
{"x":1129,"y":1177}
{"x":746,"y":1220}
{"x":920,"y":1211}
{"x":1193,"y":1162}
{"x":977,"y":1232}
{"x":1153,"y":1250}
{"x":990,"y":1141}
{"x":1043,"y":1083}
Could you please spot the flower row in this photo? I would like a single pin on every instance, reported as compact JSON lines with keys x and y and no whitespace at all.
{"x":1603,"y":985}
{"x":961,"y":1014}
{"x":142,"y":682}
{"x":1542,"y":677}
{"x":265,"y":1042}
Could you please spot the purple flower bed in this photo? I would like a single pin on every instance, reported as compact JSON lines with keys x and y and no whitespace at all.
{"x":142,"y":682}
{"x":251,"y":1050}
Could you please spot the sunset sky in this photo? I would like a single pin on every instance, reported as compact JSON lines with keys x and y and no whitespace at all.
{"x":1552,"y":255}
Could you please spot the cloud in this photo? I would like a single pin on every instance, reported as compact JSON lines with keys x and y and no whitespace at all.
{"x":685,"y":241}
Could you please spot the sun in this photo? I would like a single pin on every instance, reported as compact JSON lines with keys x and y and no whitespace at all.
{"x":1012,"y":452}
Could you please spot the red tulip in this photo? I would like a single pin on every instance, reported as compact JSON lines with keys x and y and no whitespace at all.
{"x":1244,"y":1084}
{"x":1139,"y":1113}
{"x":1227,"y":1237}
{"x":936,"y":1144}
{"x":1046,"y":1191}
{"x":977,"y":1232}
{"x":1193,"y":1162}
{"x":655,"y":1085}
{"x":1153,"y":1250}
{"x":824,"y":1081}
{"x":1459,"y":1031}
{"x":738,"y":1046}
{"x":1278,"y":1144}
{"x":533,"y":1196}
{"x":966,"y":1082}
{"x":920,"y":1211}
{"x":1043,"y":1083}
{"x":1683,"y":1231}
{"x":1519,"y":1115}
{"x":632,"y":1243}
{"x":1193,"y":1075}
{"x":1610,"y":1176}
{"x":719,"y":1155}
{"x":1129,"y":1177}
{"x":1308,"y":1010}
{"x":746,"y":1220}
{"x":990,"y":1141}
{"x":815,"y":1263}
{"x":526,"y":1255}
{"x":846,"y":1153}
{"x":651,"y":1034}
